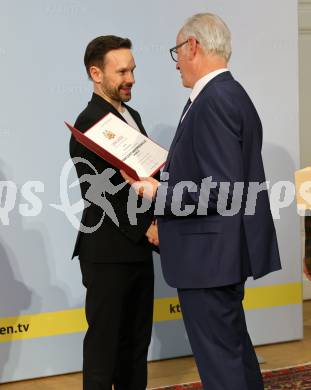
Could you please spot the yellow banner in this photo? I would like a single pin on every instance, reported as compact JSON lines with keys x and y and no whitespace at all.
{"x":165,"y":309}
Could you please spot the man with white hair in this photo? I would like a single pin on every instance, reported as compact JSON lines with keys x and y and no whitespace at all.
{"x":208,"y":252}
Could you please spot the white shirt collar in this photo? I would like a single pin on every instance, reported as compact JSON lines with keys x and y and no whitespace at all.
{"x":200,"y":84}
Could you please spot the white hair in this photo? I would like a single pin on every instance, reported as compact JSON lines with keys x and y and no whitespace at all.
{"x":211,"y":32}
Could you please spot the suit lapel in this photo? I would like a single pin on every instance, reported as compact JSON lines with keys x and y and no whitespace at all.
{"x":178,"y":133}
{"x":225,"y":76}
{"x":137,"y":119}
{"x":105,"y":106}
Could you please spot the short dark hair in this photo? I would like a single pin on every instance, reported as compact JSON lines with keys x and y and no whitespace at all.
{"x":97,"y":49}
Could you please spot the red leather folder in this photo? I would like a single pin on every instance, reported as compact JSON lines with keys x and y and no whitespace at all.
{"x":104,"y":154}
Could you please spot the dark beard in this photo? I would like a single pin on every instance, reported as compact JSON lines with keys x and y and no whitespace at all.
{"x":116,"y":94}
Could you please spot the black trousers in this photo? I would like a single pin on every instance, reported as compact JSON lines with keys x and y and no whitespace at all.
{"x":119,"y":311}
{"x":216,"y":327}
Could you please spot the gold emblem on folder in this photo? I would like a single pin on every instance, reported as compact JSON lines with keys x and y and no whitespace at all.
{"x":109,"y":134}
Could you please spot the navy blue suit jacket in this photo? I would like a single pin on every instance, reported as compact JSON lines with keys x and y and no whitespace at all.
{"x":220,"y":137}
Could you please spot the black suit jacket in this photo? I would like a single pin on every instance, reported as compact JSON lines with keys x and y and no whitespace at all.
{"x":109,"y":243}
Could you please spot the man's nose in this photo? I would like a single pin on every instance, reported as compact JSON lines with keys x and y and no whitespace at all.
{"x":177,"y":66}
{"x":130,"y":78}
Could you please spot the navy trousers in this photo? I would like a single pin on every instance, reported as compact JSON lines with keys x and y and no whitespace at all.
{"x":216,"y":327}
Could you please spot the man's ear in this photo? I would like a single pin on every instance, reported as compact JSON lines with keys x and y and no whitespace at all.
{"x":96,"y":74}
{"x":193,"y":47}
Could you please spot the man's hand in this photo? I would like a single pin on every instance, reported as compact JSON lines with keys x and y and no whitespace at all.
{"x":306,"y":270}
{"x":146,"y":187}
{"x":152,"y":234}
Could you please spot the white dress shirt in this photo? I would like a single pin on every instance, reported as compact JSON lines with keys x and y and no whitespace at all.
{"x":129,"y":119}
{"x":201,"y":83}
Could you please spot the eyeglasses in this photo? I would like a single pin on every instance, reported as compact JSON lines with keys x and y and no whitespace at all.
{"x":173,"y":50}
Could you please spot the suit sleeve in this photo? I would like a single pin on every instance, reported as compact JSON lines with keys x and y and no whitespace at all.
{"x":135,"y":232}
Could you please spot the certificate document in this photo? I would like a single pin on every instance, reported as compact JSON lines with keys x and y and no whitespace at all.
{"x":122,"y":146}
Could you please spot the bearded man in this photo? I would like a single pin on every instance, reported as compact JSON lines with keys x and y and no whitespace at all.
{"x":116,"y":258}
